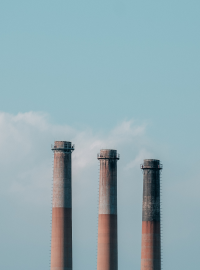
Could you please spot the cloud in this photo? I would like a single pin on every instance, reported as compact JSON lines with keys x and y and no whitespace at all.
{"x":26,"y":180}
{"x":26,"y":158}
{"x":25,"y":195}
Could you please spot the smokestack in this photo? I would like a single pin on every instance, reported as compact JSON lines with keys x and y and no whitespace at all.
{"x":151,"y":240}
{"x":107,"y":258}
{"x":61,"y":238}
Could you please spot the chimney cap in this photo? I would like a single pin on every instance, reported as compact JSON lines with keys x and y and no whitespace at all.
{"x":151,"y":164}
{"x":108,"y":154}
{"x":64,"y":146}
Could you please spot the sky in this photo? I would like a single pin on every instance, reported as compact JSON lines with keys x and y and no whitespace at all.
{"x":102,"y":74}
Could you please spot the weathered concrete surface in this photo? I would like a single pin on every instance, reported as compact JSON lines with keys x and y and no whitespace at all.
{"x":151,"y":240}
{"x":107,"y":258}
{"x":61,"y":239}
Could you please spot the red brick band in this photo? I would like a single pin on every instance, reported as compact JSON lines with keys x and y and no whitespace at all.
{"x":107,"y":242}
{"x":61,"y":240}
{"x":151,"y":246}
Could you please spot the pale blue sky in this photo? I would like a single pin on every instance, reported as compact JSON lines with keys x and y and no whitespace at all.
{"x":91,"y":65}
{"x":98,"y":63}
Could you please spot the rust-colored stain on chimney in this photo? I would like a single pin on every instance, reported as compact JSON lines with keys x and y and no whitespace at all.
{"x":107,"y":258}
{"x":61,"y":238}
{"x":151,"y":240}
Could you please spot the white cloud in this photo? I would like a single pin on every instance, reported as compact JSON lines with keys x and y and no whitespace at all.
{"x":26,"y":158}
{"x":26,"y":174}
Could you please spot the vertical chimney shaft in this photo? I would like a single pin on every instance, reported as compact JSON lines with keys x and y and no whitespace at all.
{"x":61,"y":238}
{"x":151,"y":241}
{"x":107,"y":258}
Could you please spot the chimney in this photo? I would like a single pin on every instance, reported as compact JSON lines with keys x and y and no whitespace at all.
{"x":151,"y":240}
{"x":107,"y":258}
{"x":61,"y":238}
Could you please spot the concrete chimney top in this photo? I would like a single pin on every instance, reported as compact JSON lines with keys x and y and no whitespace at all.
{"x":63,"y":146}
{"x":108,"y":154}
{"x":151,"y":164}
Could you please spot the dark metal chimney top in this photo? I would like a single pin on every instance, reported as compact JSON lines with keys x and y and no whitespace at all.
{"x":151,"y":164}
